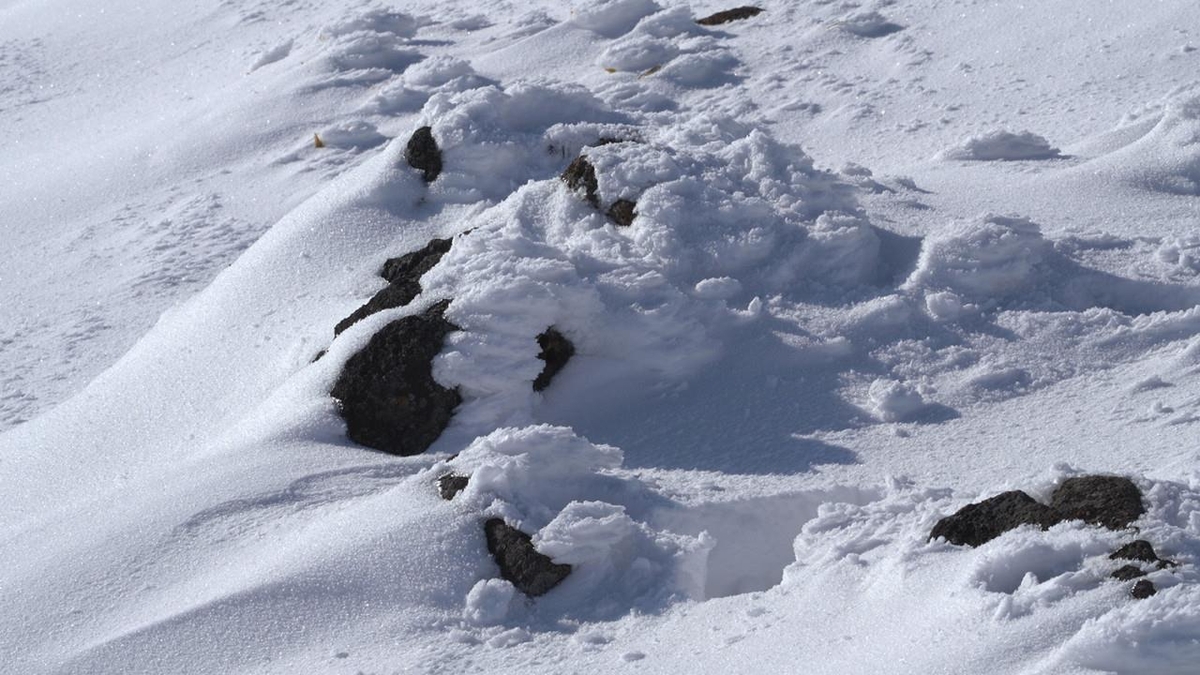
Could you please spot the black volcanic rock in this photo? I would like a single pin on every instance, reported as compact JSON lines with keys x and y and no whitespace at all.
{"x":622,"y":212}
{"x":1141,"y":550}
{"x":580,"y":174}
{"x":1128,"y":573}
{"x":1111,"y":501}
{"x":422,"y":153}
{"x":556,"y":351}
{"x":531,"y":572}
{"x":981,"y":522}
{"x":735,"y":14}
{"x":451,"y":484}
{"x":386,"y":392}
{"x":404,"y":281}
{"x":1143,"y":589}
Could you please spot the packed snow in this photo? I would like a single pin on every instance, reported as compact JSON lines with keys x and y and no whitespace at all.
{"x":829,"y":272}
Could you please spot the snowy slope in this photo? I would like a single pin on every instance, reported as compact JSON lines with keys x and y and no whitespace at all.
{"x":887,"y":259}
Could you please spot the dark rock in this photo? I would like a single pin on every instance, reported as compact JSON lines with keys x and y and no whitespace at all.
{"x":1141,"y":550}
{"x":404,"y":281}
{"x":1128,"y":572}
{"x":1135,"y":550}
{"x":556,"y":351}
{"x":422,"y":153}
{"x":581,"y":174}
{"x":1111,"y":501}
{"x":1143,"y":589}
{"x":387,"y":393}
{"x":977,"y":523}
{"x":531,"y":572}
{"x":622,"y":212}
{"x":736,"y":14}
{"x":451,"y":484}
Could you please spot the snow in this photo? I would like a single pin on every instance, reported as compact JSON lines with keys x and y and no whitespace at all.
{"x":887,"y":260}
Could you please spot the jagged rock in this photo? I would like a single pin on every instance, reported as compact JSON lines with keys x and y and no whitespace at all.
{"x":531,"y":572}
{"x":1111,"y":501}
{"x":556,"y":351}
{"x":622,"y":212}
{"x":1128,"y":573}
{"x":1141,"y":550}
{"x":387,"y":393}
{"x":581,"y":174}
{"x":404,"y":281}
{"x":735,"y":14}
{"x":977,"y":523}
{"x":451,"y":484}
{"x":1143,"y":589}
{"x":422,"y":153}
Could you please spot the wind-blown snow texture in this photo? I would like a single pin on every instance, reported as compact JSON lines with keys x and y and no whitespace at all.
{"x":886,"y":260}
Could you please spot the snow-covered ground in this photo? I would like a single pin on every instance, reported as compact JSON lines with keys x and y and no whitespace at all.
{"x":888,"y":259}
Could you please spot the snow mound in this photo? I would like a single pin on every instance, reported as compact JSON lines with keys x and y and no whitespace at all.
{"x":1159,"y":150}
{"x":979,"y":261}
{"x":1003,"y":146}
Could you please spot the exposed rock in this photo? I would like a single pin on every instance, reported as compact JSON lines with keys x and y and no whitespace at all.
{"x":977,"y":523}
{"x":556,"y":351}
{"x":531,"y":572}
{"x":1141,"y":550}
{"x":404,"y":281}
{"x":622,"y":212}
{"x":451,"y":484}
{"x":1111,"y":501}
{"x":387,"y":393}
{"x":736,"y":14}
{"x":1143,"y":589}
{"x":422,"y":153}
{"x":1128,"y":573}
{"x":581,"y":174}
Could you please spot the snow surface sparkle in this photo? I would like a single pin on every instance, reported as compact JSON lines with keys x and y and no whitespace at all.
{"x":888,"y":259}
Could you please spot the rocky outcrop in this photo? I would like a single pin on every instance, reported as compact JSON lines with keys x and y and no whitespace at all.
{"x":531,"y":572}
{"x":449,"y":485}
{"x":1110,"y":501}
{"x":423,"y":153}
{"x":386,"y":392}
{"x":1143,"y":589}
{"x":978,"y":523}
{"x":556,"y":351}
{"x":622,"y":212}
{"x":1128,"y":573}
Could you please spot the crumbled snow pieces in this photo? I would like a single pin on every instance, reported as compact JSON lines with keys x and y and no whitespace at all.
{"x":1002,"y":145}
{"x":422,"y":153}
{"x":386,"y":392}
{"x":403,"y":275}
{"x":556,"y":351}
{"x":735,"y":14}
{"x":530,"y":572}
{"x":893,"y":401}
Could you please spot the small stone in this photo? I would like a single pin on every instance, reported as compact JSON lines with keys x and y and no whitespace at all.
{"x":556,"y":351}
{"x":1143,"y":589}
{"x":735,"y":14}
{"x":451,"y":484}
{"x":622,"y":212}
{"x":1128,"y":573}
{"x":1135,"y":550}
{"x":1110,"y":501}
{"x":978,"y":523}
{"x":581,"y":174}
{"x":422,"y":153}
{"x":520,"y":563}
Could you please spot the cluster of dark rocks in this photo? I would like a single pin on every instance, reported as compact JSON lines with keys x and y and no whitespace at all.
{"x":1112,"y":502}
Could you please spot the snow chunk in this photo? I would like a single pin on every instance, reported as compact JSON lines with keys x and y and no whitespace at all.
{"x":893,"y":401}
{"x":487,"y":602}
{"x":718,"y":288}
{"x":613,"y":18}
{"x":1002,"y":145}
{"x":991,"y":258}
{"x":944,"y":305}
